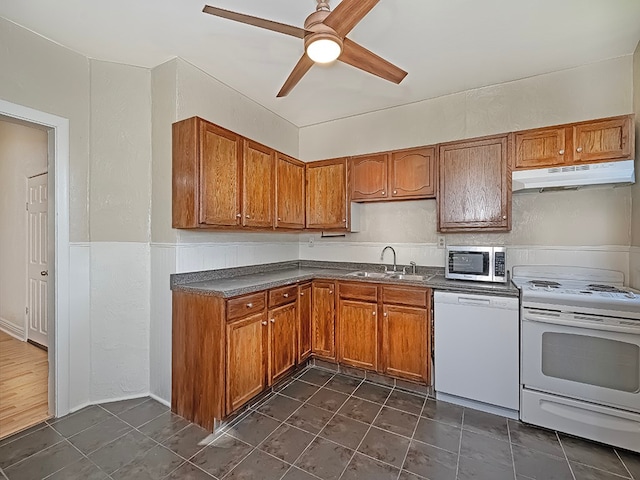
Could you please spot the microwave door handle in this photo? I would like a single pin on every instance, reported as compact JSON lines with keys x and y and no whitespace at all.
{"x":590,"y":325}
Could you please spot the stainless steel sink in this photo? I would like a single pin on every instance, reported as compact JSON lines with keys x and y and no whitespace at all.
{"x":363,"y":274}
{"x":410,"y":277}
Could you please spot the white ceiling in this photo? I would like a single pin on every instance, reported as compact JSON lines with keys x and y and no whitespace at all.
{"x":446,"y":46}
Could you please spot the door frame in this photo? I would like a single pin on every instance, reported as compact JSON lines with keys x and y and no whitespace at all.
{"x":58,"y":305}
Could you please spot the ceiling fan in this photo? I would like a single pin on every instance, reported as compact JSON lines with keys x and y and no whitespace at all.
{"x":324,"y":35}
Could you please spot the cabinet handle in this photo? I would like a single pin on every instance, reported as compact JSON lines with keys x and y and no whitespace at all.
{"x":264,"y":322}
{"x":249,"y":305}
{"x":579,"y":149}
{"x":561,"y":152}
{"x":273,"y":320}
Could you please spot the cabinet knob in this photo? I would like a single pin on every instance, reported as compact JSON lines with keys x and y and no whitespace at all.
{"x":579,"y":149}
{"x":561,"y":152}
{"x":302,"y":294}
{"x":504,"y":217}
{"x":247,"y":216}
{"x":344,"y":220}
{"x":273,"y":320}
{"x":264,"y":322}
{"x":383,"y":192}
{"x":285,"y":295}
{"x":395,"y":191}
{"x":238,"y":215}
{"x":249,"y":305}
{"x":373,"y":313}
{"x":384,"y":314}
{"x":279,"y":219}
{"x":330,"y":291}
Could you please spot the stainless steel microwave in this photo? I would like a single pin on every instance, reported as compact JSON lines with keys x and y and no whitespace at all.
{"x":480,"y":264}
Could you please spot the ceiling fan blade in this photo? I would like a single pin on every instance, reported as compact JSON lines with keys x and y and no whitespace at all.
{"x":255,"y":21}
{"x":347,"y":15}
{"x":359,"y":57}
{"x":302,"y":67}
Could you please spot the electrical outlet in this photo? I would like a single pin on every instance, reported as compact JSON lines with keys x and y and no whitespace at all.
{"x":441,"y":241}
{"x":310,"y":242}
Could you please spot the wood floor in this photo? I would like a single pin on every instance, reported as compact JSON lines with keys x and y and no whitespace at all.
{"x":23,"y":385}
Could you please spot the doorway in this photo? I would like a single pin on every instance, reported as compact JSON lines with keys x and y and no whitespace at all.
{"x":58,"y":252}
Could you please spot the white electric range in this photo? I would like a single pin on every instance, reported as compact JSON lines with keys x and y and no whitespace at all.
{"x":580,"y":353}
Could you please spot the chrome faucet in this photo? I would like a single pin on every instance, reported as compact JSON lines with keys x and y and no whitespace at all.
{"x":394,"y":257}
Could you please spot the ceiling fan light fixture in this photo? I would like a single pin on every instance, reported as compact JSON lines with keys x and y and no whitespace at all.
{"x":324,"y":50}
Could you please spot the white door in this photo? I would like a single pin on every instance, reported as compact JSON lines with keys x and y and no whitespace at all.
{"x":37,"y":270}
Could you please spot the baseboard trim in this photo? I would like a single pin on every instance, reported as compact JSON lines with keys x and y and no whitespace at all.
{"x":10,"y":329}
{"x":37,"y":345}
{"x":160,"y":400}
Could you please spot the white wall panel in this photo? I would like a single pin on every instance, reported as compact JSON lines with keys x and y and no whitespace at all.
{"x":79,"y":325}
{"x":120,"y":304}
{"x":634,"y":267}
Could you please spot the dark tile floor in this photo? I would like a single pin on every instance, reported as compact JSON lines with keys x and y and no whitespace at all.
{"x":319,"y":425}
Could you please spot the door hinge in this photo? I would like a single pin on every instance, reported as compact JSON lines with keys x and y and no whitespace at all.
{"x":26,"y":310}
{"x":27,"y":206}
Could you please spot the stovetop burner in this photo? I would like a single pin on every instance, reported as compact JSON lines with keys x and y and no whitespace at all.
{"x":596,"y":287}
{"x":544,"y":284}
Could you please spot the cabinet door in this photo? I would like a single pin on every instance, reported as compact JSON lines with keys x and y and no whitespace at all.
{"x":540,"y":148}
{"x":603,"y":140}
{"x":323,"y":319}
{"x":475,"y":186}
{"x":304,"y":322}
{"x":358,"y":337}
{"x":327,"y":194}
{"x":220,"y":158}
{"x":289,"y":192}
{"x":406,"y":342}
{"x":283,"y":340}
{"x":258,"y":198}
{"x":369,"y":177}
{"x":246,"y":372}
{"x":413,"y":173}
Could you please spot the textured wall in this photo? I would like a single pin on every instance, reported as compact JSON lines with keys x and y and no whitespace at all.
{"x":23,"y":153}
{"x":120,"y":186}
{"x":45,"y":76}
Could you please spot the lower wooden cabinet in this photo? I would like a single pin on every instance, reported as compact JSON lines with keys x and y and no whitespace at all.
{"x":246,"y":345}
{"x":406,"y":342}
{"x":358,"y":338}
{"x":324,"y":319}
{"x":282,"y":341}
{"x":304,"y":322}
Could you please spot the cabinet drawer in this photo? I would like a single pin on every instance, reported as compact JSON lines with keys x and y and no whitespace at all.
{"x":281,"y":296}
{"x":416,"y":297}
{"x":358,"y":291}
{"x":247,"y":304}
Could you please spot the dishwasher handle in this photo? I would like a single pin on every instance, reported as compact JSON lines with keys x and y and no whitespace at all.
{"x":473,"y":300}
{"x":485,"y":302}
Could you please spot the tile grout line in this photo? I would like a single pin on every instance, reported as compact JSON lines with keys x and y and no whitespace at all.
{"x":404,"y":460}
{"x":464,"y":410}
{"x":513,"y":457}
{"x":355,"y":450}
{"x":623,"y":464}
{"x":565,"y":456}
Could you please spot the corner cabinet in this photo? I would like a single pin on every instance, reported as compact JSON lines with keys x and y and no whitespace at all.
{"x":474,"y":189}
{"x":327,"y":198}
{"x":323,"y":319}
{"x":603,"y":140}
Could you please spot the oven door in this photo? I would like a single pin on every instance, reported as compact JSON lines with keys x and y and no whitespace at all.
{"x":596,"y":359}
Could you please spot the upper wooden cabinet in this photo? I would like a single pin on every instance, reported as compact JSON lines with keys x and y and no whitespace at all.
{"x":475,"y":185}
{"x":327,"y":200}
{"x":403,"y":174}
{"x":258,"y":180}
{"x":593,"y":141}
{"x":290,"y":196}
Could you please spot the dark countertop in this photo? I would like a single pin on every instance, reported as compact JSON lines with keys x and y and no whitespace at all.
{"x":231,"y":282}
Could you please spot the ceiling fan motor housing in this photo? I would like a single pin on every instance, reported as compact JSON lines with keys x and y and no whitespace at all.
{"x":315,"y":23}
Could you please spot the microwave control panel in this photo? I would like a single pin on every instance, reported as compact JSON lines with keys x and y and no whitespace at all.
{"x":499,"y":266}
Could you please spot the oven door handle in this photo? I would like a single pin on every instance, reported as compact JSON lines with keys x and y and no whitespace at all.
{"x":590,"y":325}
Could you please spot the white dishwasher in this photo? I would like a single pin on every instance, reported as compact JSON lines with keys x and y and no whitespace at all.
{"x":477,"y":358}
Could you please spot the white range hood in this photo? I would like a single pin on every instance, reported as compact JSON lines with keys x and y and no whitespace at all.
{"x":574,"y":176}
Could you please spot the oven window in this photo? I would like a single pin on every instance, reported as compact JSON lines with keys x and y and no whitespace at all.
{"x":591,"y":360}
{"x":472,"y":263}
